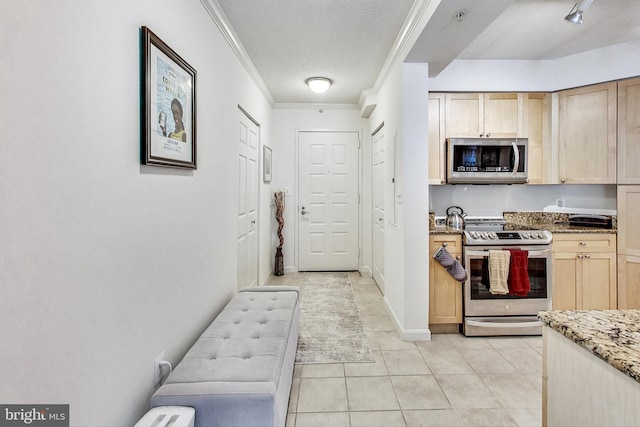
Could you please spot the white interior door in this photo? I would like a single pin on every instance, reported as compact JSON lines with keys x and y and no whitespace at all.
{"x":378,"y":213}
{"x":328,"y":201}
{"x":248,"y":143}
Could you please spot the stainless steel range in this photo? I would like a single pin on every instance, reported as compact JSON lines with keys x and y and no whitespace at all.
{"x":487,"y":313}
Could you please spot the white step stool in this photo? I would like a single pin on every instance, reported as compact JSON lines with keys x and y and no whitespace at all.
{"x":168,"y":416}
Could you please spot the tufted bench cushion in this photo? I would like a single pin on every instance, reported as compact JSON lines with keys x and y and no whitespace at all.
{"x":239,"y":372}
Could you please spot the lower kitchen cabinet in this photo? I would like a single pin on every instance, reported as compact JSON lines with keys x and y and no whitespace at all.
{"x":445,"y":292}
{"x":584,"y":272}
{"x":628,"y":282}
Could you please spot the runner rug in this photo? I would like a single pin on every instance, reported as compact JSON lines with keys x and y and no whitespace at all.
{"x":330,"y":327}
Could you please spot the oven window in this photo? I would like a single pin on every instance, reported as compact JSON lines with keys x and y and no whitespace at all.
{"x":479,"y":279}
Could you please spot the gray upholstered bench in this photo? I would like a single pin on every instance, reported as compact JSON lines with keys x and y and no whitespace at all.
{"x":239,"y":372}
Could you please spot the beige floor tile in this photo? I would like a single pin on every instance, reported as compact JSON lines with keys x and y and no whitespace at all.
{"x":535,"y":342}
{"x":392,"y":341}
{"x":366,"y":369}
{"x":360,"y":279}
{"x":372,"y":309}
{"x":294,"y":279}
{"x":405,"y":362}
{"x":445,"y":360}
{"x":291,"y":420}
{"x":297,"y":371}
{"x":293,"y":395}
{"x":525,"y":360}
{"x":373,"y":339}
{"x":371,"y":394}
{"x":366,"y":288}
{"x":378,"y":323}
{"x":377,"y":419}
{"x":526,"y":417}
{"x":467,"y":391}
{"x":323,"y":419}
{"x":461,"y":342}
{"x":485,"y":418}
{"x":419,"y":392}
{"x":508,"y":342}
{"x":535,"y":380}
{"x":513,"y":390}
{"x":431,"y":418}
{"x":487,"y":361}
{"x":322,"y":395}
{"x":437,"y":341}
{"x":323,"y":370}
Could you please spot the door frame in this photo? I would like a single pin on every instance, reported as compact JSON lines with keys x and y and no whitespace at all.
{"x":258,"y":187}
{"x":296,"y":176}
{"x":379,"y":128}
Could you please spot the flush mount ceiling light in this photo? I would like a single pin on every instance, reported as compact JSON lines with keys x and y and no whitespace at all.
{"x":318,"y":84}
{"x":575,"y":15}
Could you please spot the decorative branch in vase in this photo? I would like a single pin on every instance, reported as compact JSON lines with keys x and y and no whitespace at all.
{"x":278,"y":269}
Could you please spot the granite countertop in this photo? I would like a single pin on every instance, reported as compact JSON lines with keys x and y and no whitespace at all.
{"x":611,"y":335}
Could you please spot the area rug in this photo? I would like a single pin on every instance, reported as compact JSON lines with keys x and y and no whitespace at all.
{"x":330,"y":327}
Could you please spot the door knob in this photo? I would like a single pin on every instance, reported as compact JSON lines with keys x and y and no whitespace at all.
{"x":303,"y":212}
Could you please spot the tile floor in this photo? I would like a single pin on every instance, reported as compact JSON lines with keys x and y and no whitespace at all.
{"x":448,"y":381}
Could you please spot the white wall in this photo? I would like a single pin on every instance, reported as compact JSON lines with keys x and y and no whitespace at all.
{"x":287,"y":121}
{"x":401,"y":106}
{"x":105,"y":263}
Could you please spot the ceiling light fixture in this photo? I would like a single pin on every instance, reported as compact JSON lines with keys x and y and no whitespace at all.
{"x":318,"y":84}
{"x":459,"y":15}
{"x":575,"y":15}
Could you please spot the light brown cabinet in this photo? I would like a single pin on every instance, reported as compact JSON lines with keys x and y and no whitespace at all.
{"x":629,"y":131}
{"x":437,"y":154}
{"x":445,"y":292}
{"x":628,"y":247}
{"x":538,"y":131}
{"x":484,"y":115}
{"x":587,"y":134}
{"x":584,"y":272}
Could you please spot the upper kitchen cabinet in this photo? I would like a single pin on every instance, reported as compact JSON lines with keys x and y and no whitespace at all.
{"x":437,"y":155}
{"x":538,"y":131}
{"x":485,"y":115}
{"x":587,"y":135}
{"x":629,"y":131}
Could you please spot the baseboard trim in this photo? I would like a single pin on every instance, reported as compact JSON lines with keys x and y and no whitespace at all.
{"x":407,"y":334}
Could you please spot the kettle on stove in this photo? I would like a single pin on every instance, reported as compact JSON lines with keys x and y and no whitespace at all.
{"x":455,"y":217}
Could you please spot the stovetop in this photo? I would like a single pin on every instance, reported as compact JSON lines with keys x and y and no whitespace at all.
{"x":496,"y":232}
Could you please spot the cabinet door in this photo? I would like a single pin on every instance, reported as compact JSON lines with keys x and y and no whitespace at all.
{"x":503,"y":115}
{"x":587,"y":135}
{"x":538,"y":131}
{"x":598,"y":285}
{"x":628,"y":215}
{"x":437,"y":172}
{"x":464,"y":112}
{"x":565,"y":278}
{"x":629,"y":131}
{"x":584,"y":242}
{"x":628,"y":282}
{"x":445,"y":293}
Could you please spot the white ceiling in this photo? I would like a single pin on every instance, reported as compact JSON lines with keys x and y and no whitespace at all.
{"x":348,"y":41}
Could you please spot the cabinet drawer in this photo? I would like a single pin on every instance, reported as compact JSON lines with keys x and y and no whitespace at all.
{"x":452,"y":242}
{"x":591,"y":242}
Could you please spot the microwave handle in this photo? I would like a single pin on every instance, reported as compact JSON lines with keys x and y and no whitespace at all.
{"x":516,"y":153}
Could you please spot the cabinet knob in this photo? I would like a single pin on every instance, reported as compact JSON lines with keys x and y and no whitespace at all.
{"x":444,"y":244}
{"x":562,"y":180}
{"x":458,"y":257}
{"x":583,"y":243}
{"x":488,"y":134}
{"x":587,"y":256}
{"x":481,"y":135}
{"x":580,"y":256}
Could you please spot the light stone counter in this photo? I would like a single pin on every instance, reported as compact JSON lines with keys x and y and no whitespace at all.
{"x":611,"y":335}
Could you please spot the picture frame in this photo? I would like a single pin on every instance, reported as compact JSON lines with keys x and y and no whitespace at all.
{"x":169,"y":106}
{"x":266,"y":164}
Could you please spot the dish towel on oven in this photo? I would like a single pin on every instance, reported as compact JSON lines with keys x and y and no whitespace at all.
{"x":498,"y":271}
{"x":519,"y":273}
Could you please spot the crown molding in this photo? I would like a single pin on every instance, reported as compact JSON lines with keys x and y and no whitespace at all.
{"x":219,"y":18}
{"x":410,"y":30}
{"x":313,"y":106}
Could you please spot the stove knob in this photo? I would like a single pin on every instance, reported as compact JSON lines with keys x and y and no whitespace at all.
{"x":525,"y":235}
{"x":484,"y":235}
{"x":493,"y":236}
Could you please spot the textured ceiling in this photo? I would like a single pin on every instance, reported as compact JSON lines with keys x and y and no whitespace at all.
{"x":349,"y":40}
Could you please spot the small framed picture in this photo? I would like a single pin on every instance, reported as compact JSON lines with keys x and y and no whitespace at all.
{"x":266,"y":164}
{"x":169,"y":106}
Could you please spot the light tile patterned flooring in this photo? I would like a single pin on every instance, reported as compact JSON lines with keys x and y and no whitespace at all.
{"x":448,"y":381}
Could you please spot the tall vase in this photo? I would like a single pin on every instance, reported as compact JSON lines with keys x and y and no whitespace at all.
{"x":278,"y":267}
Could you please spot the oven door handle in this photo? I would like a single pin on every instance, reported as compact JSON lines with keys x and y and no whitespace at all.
{"x":532,"y":254}
{"x":516,"y":154}
{"x":504,"y":324}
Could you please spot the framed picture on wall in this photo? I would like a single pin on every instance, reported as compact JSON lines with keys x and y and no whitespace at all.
{"x":169,"y":106}
{"x":266,"y":164}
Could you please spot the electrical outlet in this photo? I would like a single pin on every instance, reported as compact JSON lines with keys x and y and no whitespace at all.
{"x":561,"y":202}
{"x":158,"y":372}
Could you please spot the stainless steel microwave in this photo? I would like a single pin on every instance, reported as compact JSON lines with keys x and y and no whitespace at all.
{"x":487,"y":160}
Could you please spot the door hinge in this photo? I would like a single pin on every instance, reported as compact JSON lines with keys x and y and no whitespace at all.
{"x":358,"y":198}
{"x":358,"y":252}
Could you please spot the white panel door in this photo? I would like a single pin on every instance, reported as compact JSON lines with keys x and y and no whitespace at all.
{"x":248,"y":143}
{"x":328,"y":201}
{"x":378,"y":213}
